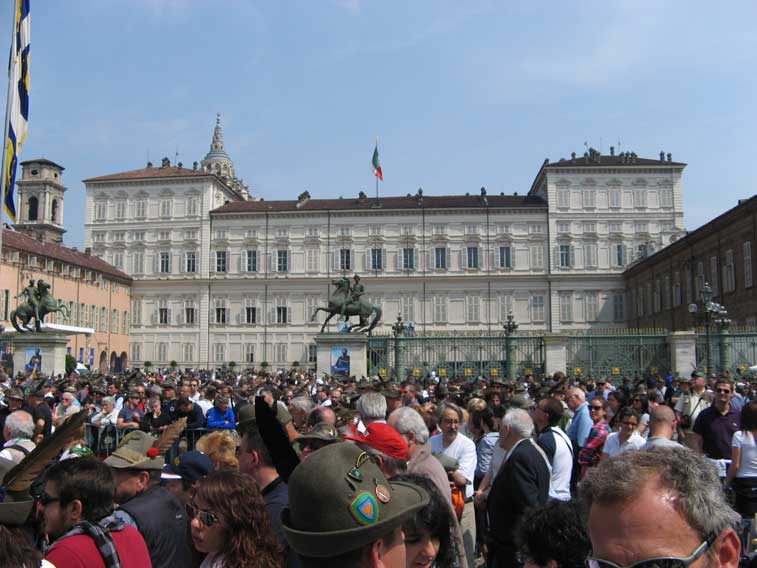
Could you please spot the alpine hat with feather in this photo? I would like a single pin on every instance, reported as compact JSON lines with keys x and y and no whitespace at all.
{"x":139,"y":450}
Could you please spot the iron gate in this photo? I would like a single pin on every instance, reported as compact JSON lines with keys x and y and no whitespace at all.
{"x":622,"y":352}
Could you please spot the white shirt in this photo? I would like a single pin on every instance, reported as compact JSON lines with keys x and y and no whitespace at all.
{"x":464,"y":451}
{"x":613,"y":446}
{"x":746,"y":443}
{"x":205,"y":405}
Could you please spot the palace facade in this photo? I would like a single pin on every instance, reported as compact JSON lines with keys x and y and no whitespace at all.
{"x":221,"y":276}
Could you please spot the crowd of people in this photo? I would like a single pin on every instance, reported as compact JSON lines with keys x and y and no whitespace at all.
{"x":221,"y":469}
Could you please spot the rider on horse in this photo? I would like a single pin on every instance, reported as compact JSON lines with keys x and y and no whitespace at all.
{"x":356,"y":291}
{"x":32,"y":297}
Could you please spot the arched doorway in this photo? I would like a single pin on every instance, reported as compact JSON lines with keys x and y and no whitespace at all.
{"x":113,"y":362}
{"x":123,"y":361}
{"x":33,"y":207}
{"x":103,"y":364}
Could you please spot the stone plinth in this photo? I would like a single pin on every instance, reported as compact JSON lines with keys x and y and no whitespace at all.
{"x":49,"y":344}
{"x":683,"y":352}
{"x":330,"y":354}
{"x":555,"y":353}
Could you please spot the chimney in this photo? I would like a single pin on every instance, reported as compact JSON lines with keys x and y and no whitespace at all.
{"x":670,"y":157}
{"x":87,"y":251}
{"x":165,"y":163}
{"x":612,"y":150}
{"x":149,"y":165}
{"x":194,"y":166}
{"x":572,"y":156}
{"x":662,"y":156}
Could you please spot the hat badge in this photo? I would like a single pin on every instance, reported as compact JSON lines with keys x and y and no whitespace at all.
{"x":364,"y":508}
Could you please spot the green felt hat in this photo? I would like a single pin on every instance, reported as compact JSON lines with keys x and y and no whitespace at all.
{"x":136,"y":452}
{"x":15,"y":506}
{"x":339,"y":500}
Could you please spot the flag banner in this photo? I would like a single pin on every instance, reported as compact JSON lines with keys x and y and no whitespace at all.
{"x":377,"y":165}
{"x":18,"y":102}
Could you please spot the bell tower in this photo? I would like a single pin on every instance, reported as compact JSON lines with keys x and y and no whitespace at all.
{"x":40,"y":199}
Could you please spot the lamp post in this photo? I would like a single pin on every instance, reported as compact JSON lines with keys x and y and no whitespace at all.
{"x":510,"y":327}
{"x":398,"y":329}
{"x":710,"y":313}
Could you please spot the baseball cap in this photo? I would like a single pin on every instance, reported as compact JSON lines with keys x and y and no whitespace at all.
{"x":191,"y":466}
{"x":384,"y":438}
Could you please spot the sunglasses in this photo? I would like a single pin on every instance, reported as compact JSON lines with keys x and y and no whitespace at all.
{"x":206,"y":517}
{"x":45,"y":499}
{"x":662,"y":562}
{"x":591,"y":407}
{"x":723,"y":391}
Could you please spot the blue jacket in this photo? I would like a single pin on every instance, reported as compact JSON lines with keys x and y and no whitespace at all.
{"x":579,"y":428}
{"x":216,"y":419}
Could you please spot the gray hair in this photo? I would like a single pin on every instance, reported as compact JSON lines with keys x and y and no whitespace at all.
{"x":302,"y":403}
{"x":391,"y":466}
{"x":109,"y":400}
{"x":371,"y":406}
{"x":20,"y":424}
{"x":698,"y":491}
{"x":450,"y":406}
{"x":520,"y":422}
{"x":408,"y":420}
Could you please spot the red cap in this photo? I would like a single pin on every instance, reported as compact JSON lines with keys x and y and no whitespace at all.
{"x":383,"y":438}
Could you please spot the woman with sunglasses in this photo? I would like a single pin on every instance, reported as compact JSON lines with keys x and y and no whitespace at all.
{"x":743,"y":471}
{"x":640,"y":403}
{"x":615,"y":400}
{"x":591,"y":452}
{"x":229,"y":523}
{"x":628,"y":438}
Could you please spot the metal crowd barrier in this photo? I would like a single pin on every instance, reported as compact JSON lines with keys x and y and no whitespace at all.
{"x":104,"y":441}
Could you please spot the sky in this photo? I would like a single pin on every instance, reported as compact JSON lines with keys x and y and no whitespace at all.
{"x":459,"y":94}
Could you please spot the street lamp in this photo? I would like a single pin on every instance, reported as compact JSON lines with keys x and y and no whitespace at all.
{"x":398,"y":329}
{"x":510,"y":327}
{"x":710,"y":313}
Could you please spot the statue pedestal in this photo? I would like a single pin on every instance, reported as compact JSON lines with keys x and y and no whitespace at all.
{"x":51,"y":343}
{"x":344,"y":354}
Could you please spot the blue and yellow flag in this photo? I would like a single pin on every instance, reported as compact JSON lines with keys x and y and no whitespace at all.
{"x":18,"y":102}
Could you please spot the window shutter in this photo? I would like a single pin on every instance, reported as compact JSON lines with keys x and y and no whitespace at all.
{"x":463,"y":258}
{"x":154,"y":317}
{"x":512,"y":256}
{"x":239,"y":316}
{"x":383,"y":259}
{"x":416,"y":260}
{"x":289,"y":314}
{"x":242,"y":262}
{"x":556,"y":257}
{"x":272,"y":262}
{"x":155,"y":263}
{"x":334,"y":261}
{"x":212,"y":315}
{"x":180,"y":319}
{"x":228,"y":315}
{"x":272,"y":314}
{"x":572,"y":256}
{"x":168,"y":320}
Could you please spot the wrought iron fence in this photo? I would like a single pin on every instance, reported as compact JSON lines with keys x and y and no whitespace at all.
{"x":734,"y":350}
{"x":620,"y":352}
{"x":463,"y":356}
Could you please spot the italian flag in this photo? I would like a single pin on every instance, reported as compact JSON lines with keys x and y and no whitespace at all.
{"x":376,"y":164}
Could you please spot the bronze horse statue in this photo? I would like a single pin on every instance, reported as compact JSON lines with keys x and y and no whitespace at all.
{"x":46,"y":305}
{"x":342,"y":298}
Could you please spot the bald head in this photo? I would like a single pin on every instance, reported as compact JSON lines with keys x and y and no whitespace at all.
{"x":661,"y":422}
{"x":576,"y":397}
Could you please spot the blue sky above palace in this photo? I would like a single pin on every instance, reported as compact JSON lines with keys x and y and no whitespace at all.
{"x":460,"y":95}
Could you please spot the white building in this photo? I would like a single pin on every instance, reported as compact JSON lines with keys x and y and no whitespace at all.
{"x":219,"y":277}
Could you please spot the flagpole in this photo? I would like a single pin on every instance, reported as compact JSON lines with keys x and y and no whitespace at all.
{"x":4,"y":156}
{"x":376,"y":176}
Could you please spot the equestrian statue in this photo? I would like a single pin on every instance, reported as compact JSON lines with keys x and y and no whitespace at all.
{"x":346,"y":302}
{"x":39,"y":302}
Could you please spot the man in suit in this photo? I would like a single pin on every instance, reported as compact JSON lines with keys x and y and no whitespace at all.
{"x":522,"y":482}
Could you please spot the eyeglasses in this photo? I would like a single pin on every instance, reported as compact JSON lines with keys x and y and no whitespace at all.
{"x":45,"y":499}
{"x":723,"y":391}
{"x":661,"y":562}
{"x":206,"y":517}
{"x":592,"y":407}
